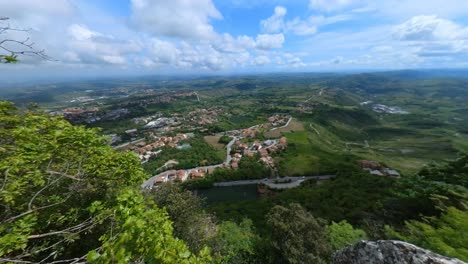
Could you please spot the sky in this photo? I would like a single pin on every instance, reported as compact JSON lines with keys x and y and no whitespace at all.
{"x":118,"y":37}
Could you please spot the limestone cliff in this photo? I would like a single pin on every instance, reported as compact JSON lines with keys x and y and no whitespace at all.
{"x":389,"y":252}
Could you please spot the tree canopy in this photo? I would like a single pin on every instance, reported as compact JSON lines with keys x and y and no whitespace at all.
{"x":58,"y":186}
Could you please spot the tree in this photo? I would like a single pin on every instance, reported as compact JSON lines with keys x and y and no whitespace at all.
{"x":234,"y":243}
{"x":50,"y":174}
{"x":342,"y":234}
{"x":140,"y":232}
{"x":445,"y":235}
{"x":454,"y":172}
{"x":297,"y":236}
{"x":224,"y":139}
{"x":10,"y":48}
{"x":191,"y":223}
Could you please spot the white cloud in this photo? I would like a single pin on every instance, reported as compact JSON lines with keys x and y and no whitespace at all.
{"x":432,"y":36}
{"x":275,"y":23}
{"x":89,"y":46}
{"x":430,"y":28}
{"x":406,"y":9}
{"x":36,"y":11}
{"x":81,"y":32}
{"x":227,"y":43}
{"x":261,"y":60}
{"x":114,"y":59}
{"x":175,"y":18}
{"x":269,"y":41}
{"x":298,"y":26}
{"x":330,"y":5}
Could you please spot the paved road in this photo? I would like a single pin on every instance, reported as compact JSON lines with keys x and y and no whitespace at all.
{"x":228,"y":148}
{"x":295,"y":181}
{"x":148,"y":184}
{"x":128,"y":143}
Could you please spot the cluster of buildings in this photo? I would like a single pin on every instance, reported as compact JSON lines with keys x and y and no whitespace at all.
{"x":380,"y":108}
{"x":146,"y":150}
{"x":263,"y":149}
{"x":273,"y":121}
{"x":146,"y":119}
{"x":307,"y":107}
{"x":79,"y":115}
{"x":375,"y":168}
{"x":82,"y":99}
{"x":183,"y":175}
{"x":161,"y":122}
{"x":278,"y":120}
{"x":204,"y":116}
{"x":163,"y":98}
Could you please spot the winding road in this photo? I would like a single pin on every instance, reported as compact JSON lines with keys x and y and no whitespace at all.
{"x":273,"y":183}
{"x":149,"y":183}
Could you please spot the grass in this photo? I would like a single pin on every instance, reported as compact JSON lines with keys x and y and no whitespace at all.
{"x":306,"y":155}
{"x":294,"y":125}
{"x":214,"y":141}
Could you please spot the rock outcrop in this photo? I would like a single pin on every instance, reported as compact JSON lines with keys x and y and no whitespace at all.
{"x":389,"y":252}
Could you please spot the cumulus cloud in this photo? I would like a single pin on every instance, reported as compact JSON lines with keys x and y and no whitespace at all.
{"x":89,"y":46}
{"x":433,"y":36}
{"x":429,"y":28}
{"x":227,"y":43}
{"x":81,"y":32}
{"x":269,"y":41}
{"x":277,"y":23}
{"x":175,"y":18}
{"x":261,"y":60}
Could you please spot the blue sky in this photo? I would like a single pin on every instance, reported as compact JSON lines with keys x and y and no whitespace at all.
{"x":104,"y":37}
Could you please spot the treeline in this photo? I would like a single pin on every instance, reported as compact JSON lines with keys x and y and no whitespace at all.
{"x":249,"y":168}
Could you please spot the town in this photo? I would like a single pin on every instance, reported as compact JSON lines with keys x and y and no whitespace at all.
{"x":242,"y":143}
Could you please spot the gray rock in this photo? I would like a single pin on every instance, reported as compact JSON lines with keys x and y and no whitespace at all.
{"x":389,"y":252}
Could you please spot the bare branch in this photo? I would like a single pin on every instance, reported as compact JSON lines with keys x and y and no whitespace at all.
{"x":85,"y":225}
{"x":4,"y":179}
{"x":13,"y":218}
{"x":6,"y":260}
{"x":25,"y":47}
{"x":64,"y":174}
{"x":41,"y":190}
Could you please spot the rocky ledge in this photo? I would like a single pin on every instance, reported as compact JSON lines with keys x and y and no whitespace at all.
{"x":389,"y":252}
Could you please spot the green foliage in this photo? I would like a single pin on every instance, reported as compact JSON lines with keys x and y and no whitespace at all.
{"x":454,"y":172}
{"x":225,"y":139}
{"x":445,"y":235}
{"x":234,"y":243}
{"x":51,"y":172}
{"x":8,"y":58}
{"x":297,"y":236}
{"x":191,"y":223}
{"x":342,"y":234}
{"x":142,"y":233}
{"x":249,"y":168}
